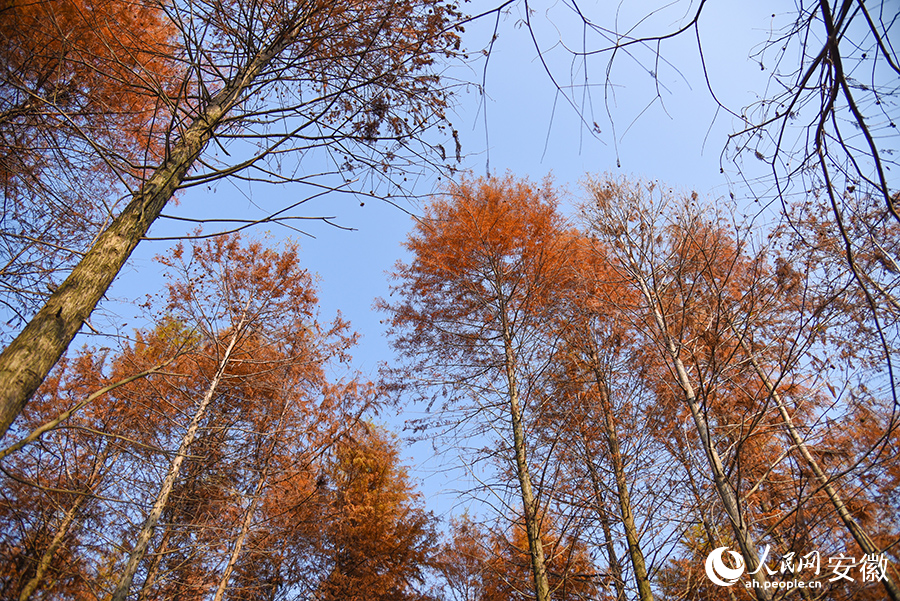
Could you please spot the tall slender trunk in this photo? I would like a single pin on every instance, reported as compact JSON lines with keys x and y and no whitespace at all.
{"x":48,"y":554}
{"x":723,"y":486}
{"x":614,"y":565}
{"x":242,"y":536}
{"x":248,"y":515}
{"x":711,"y":536}
{"x":29,"y":358}
{"x":155,"y":562}
{"x":162,"y":497}
{"x":783,"y":544}
{"x":532,"y":527}
{"x":859,"y":535}
{"x":615,"y":457}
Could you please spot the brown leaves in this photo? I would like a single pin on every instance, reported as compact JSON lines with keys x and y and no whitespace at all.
{"x":487,"y":251}
{"x":381,"y":540}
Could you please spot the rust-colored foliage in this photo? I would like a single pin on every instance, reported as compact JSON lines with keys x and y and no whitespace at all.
{"x":356,"y":80}
{"x":80,"y":95}
{"x":490,"y":256}
{"x":248,"y":509}
{"x":379,"y":540}
{"x":69,"y":64}
{"x":490,"y":270}
{"x":491,"y":566}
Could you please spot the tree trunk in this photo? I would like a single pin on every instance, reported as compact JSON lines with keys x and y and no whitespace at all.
{"x":723,"y":486}
{"x":47,"y":557}
{"x":859,"y":535}
{"x":711,"y":536}
{"x":242,"y":536}
{"x":615,"y":457}
{"x":532,"y":528}
{"x":29,"y":358}
{"x":162,"y":498}
{"x":248,"y":516}
{"x":614,"y":565}
{"x":153,"y":570}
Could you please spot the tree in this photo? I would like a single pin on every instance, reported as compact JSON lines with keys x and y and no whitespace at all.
{"x":463,"y":561}
{"x":379,"y":541}
{"x":56,"y":480}
{"x":751,"y":335}
{"x":677,"y":318}
{"x":73,"y":75}
{"x":489,"y":259}
{"x":487,"y":565}
{"x":196,"y":504}
{"x":822,"y":128}
{"x":263,"y":81}
{"x":261,"y":355}
{"x":590,"y":417}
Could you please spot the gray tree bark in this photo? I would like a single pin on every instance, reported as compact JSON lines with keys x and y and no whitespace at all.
{"x":29,"y":358}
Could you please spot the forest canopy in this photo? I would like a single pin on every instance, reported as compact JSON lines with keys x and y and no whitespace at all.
{"x":639,"y":391}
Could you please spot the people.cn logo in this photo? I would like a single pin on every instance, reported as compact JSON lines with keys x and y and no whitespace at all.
{"x":718,"y":572}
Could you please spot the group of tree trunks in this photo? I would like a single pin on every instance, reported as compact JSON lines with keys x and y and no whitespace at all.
{"x":668,"y":384}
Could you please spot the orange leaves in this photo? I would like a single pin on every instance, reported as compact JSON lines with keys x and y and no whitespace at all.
{"x":495,"y":566}
{"x":103,"y":63}
{"x":488,"y":255}
{"x":381,"y":540}
{"x":487,"y":227}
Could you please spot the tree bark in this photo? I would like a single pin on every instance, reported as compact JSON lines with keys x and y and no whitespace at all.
{"x":29,"y":358}
{"x":153,"y":570}
{"x":146,"y":533}
{"x":723,"y":486}
{"x":532,"y":528}
{"x":614,"y":565}
{"x":859,"y":535}
{"x":615,"y":456}
{"x":248,"y":515}
{"x":68,"y":519}
{"x":242,"y":536}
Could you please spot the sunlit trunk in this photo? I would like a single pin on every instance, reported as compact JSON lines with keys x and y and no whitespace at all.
{"x":615,"y":457}
{"x":146,"y":532}
{"x":532,"y":527}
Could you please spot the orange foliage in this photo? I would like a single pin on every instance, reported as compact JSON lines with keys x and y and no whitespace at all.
{"x":494,"y":567}
{"x":380,"y":541}
{"x":68,"y":65}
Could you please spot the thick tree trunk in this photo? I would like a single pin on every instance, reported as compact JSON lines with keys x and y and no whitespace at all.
{"x":532,"y":527}
{"x":615,"y":456}
{"x":29,"y":358}
{"x":146,"y":533}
